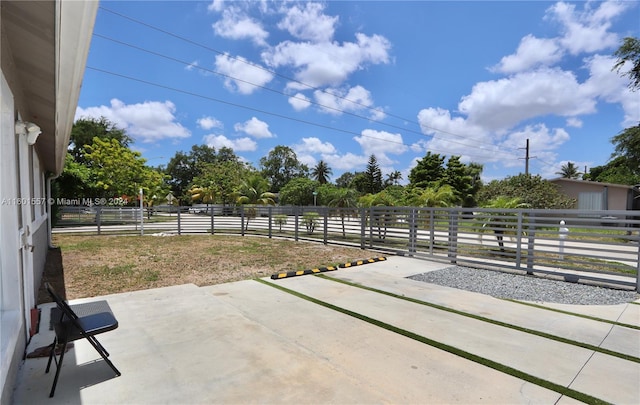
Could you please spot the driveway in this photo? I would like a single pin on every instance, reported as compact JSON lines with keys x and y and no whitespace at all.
{"x":365,"y":334}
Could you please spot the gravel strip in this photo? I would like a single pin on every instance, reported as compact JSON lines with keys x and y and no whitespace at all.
{"x":526,"y":288}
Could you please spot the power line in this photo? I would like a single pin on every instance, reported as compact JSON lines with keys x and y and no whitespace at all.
{"x":276,"y":91}
{"x":275,"y":73}
{"x":306,"y":122}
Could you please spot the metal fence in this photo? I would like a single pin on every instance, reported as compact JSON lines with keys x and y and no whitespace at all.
{"x":580,"y":244}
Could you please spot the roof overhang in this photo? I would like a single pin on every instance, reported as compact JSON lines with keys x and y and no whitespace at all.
{"x":45,"y":45}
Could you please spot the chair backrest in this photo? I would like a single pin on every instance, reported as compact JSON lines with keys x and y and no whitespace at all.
{"x":62,"y":305}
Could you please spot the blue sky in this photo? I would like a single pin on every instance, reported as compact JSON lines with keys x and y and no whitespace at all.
{"x":341,"y":80}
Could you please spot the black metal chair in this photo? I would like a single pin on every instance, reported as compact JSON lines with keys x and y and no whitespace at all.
{"x":69,"y":326}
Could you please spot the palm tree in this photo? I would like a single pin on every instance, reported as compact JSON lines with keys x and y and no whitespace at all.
{"x":343,"y":199}
{"x":205,"y":194}
{"x":442,"y":196}
{"x":253,"y":191}
{"x":569,"y":171}
{"x":321,"y":172}
{"x":393,"y":178}
{"x":497,"y":222}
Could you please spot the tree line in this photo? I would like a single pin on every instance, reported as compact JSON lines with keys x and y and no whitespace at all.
{"x":101,"y":164}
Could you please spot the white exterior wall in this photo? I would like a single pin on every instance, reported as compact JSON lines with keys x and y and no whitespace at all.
{"x":23,"y":236}
{"x":12,"y":321}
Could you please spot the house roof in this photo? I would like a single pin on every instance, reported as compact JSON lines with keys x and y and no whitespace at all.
{"x":588,"y":182}
{"x":44,"y":51}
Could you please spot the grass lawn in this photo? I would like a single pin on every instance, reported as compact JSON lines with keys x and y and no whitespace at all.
{"x":99,"y":265}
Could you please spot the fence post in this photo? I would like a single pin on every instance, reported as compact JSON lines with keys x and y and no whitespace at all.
{"x":531,"y":244}
{"x":432,"y":229}
{"x":413,"y":232}
{"x":326,"y":223}
{"x":270,"y":212}
{"x":98,"y":218}
{"x":519,"y":235}
{"x":213,"y":211}
{"x":242,"y":220}
{"x":363,"y":228}
{"x":179,"y":225}
{"x":295,"y":223}
{"x":638,"y":270}
{"x":453,"y":236}
{"x":371,"y":227}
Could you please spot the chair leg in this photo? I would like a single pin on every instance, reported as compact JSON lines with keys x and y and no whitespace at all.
{"x":52,"y":352}
{"x":103,"y":353}
{"x":58,"y":367}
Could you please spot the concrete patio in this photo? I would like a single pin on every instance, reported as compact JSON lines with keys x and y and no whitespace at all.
{"x":324,"y":341}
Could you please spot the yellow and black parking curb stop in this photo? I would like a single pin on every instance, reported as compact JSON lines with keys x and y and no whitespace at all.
{"x":361,"y":262}
{"x":278,"y":276}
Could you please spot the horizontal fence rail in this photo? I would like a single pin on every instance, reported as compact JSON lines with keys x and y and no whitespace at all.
{"x":592,"y":243}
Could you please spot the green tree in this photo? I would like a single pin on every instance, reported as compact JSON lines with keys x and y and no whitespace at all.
{"x":429,"y":172}
{"x":569,"y":171}
{"x":321,"y":172}
{"x":500,"y":223}
{"x":343,"y":199}
{"x":183,"y":168}
{"x":373,"y":176}
{"x":624,"y":166}
{"x":75,"y":181}
{"x":393,"y":178}
{"x":463,"y":180}
{"x":361,"y":183}
{"x":298,"y":192}
{"x":627,"y":146}
{"x":617,"y":171}
{"x":85,"y":129}
{"x":254,"y":191}
{"x":280,"y":166}
{"x":345,"y":179}
{"x":223,"y":177}
{"x":629,"y":51}
{"x":443,"y":196}
{"x":117,"y":170}
{"x":531,"y":190}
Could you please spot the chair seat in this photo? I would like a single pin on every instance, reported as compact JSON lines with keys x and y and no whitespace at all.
{"x":91,"y":325}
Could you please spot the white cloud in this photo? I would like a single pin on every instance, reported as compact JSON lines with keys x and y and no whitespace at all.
{"x":241,"y":75}
{"x":327,"y":63}
{"x":235,"y":24}
{"x":532,"y":52}
{"x":587,"y":31}
{"x":238,"y":145}
{"x":255,"y":128}
{"x":150,"y":121}
{"x":207,"y":123}
{"x":308,"y":22}
{"x":314,"y":145}
{"x":347,"y":162}
{"x":501,"y":104}
{"x":456,"y":136}
{"x":609,"y":86}
{"x":216,"y":5}
{"x":574,"y":122}
{"x":381,"y":144}
{"x":299,"y":102}
{"x":337,"y":101}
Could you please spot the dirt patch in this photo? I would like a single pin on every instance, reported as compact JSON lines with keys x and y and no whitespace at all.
{"x":99,"y":265}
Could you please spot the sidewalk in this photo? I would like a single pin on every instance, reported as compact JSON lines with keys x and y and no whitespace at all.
{"x":324,"y":341}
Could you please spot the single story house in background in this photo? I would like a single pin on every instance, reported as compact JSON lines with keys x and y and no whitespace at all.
{"x":593,"y":195}
{"x":44,"y":48}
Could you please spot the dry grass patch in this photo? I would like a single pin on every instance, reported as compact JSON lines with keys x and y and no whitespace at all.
{"x":98,"y":265}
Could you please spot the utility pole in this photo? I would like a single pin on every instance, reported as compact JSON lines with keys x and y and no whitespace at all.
{"x":526,"y":158}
